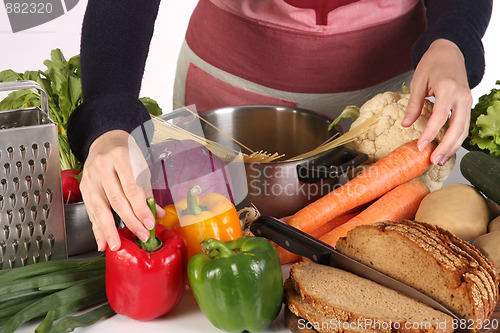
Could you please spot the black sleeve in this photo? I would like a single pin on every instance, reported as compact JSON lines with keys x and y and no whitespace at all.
{"x":463,"y":22}
{"x":115,"y":40}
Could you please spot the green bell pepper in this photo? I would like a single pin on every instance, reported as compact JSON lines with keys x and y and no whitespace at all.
{"x":237,"y":284}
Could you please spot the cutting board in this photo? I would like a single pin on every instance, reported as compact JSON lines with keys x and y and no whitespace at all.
{"x":292,"y":321}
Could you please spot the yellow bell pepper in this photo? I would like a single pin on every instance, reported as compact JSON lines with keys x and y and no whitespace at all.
{"x":198,"y":217}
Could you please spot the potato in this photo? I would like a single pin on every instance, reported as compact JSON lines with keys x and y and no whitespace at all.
{"x":489,"y":245}
{"x":494,"y":225}
{"x":458,"y":208}
{"x":494,"y":208}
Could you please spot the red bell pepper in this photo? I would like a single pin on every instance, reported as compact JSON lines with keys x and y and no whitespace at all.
{"x":145,"y":280}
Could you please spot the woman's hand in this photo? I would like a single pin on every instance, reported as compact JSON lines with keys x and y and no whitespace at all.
{"x":441,"y":73}
{"x":108,"y":181}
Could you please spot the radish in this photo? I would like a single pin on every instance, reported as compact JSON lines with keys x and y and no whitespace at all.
{"x":71,"y":186}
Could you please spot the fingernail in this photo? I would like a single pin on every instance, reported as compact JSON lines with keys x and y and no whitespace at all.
{"x":160,"y":212}
{"x":443,"y":161}
{"x":438,"y":159}
{"x":405,"y":121}
{"x":143,"y":236}
{"x":422,"y":145}
{"x":149,"y":224}
{"x":100,"y":247}
{"x":113,"y":246}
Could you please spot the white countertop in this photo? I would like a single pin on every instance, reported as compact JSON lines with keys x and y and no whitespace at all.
{"x":186,"y":318}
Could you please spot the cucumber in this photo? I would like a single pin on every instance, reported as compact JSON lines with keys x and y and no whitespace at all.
{"x":483,"y":172}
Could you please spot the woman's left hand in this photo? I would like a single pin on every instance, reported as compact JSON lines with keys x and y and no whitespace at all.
{"x":441,"y":73}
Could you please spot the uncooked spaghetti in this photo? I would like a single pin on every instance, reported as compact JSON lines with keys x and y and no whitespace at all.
{"x":167,"y":130}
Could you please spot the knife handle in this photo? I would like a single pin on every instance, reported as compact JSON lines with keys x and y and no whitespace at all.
{"x":291,"y":239}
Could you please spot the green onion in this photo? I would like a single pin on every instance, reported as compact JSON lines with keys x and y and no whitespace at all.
{"x":22,"y":293}
{"x":57,"y":299}
{"x":53,"y":290}
{"x":46,"y":280}
{"x":68,"y":324}
{"x":47,"y":267}
{"x":20,"y":299}
{"x":66,"y":309}
{"x":46,"y":323}
{"x":7,"y":312}
{"x":57,"y":286}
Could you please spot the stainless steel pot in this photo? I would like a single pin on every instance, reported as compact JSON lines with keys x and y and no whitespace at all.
{"x":79,"y":235}
{"x":282,"y":187}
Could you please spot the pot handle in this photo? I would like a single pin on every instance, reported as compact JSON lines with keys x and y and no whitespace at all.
{"x":182,"y":112}
{"x":330,"y":165}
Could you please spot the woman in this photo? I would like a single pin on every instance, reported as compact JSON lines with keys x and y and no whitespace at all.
{"x":316,"y":54}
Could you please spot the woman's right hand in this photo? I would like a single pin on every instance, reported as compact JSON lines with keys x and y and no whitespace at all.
{"x":108,"y":182}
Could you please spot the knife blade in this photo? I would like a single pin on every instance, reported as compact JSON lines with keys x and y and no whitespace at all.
{"x":300,"y":243}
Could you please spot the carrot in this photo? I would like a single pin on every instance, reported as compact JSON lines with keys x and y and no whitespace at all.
{"x":398,"y":167}
{"x":287,"y":257}
{"x":398,"y":204}
{"x":335,"y":223}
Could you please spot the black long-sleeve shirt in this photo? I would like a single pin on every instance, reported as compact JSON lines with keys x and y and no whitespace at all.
{"x":115,"y":41}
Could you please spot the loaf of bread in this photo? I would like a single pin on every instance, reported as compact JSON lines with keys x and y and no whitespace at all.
{"x":333,"y":300}
{"x":431,"y":260}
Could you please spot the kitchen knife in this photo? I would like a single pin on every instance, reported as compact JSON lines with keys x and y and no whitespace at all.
{"x":302,"y":244}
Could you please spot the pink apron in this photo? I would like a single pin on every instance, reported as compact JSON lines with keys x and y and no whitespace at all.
{"x":316,"y":54}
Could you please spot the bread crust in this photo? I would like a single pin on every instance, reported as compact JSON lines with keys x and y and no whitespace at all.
{"x":479,"y":275}
{"x":478,"y":263}
{"x":470,"y":275}
{"x":469,"y":248}
{"x":298,"y":296}
{"x":479,"y":297}
{"x":296,"y":305}
{"x":447,"y":238}
{"x":483,"y":261}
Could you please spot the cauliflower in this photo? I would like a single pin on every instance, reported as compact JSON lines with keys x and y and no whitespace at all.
{"x":388,"y":133}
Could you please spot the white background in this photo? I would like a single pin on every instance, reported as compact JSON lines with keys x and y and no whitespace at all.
{"x":27,"y":50}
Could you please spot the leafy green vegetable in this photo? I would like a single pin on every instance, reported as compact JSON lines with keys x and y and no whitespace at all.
{"x":61,"y":81}
{"x":152,"y":106}
{"x":350,"y":111}
{"x":484,"y":129}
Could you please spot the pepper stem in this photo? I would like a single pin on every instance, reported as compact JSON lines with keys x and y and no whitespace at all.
{"x":193,"y":208}
{"x":210,"y":244}
{"x":153,"y":243}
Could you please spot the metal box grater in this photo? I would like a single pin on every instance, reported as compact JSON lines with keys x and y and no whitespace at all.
{"x":31,"y":209}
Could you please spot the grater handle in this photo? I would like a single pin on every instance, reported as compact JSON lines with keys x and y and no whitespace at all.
{"x":27,"y":84}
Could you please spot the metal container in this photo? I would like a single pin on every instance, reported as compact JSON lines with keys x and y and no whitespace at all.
{"x":31,"y":209}
{"x":79,"y":234}
{"x":282,"y":187}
